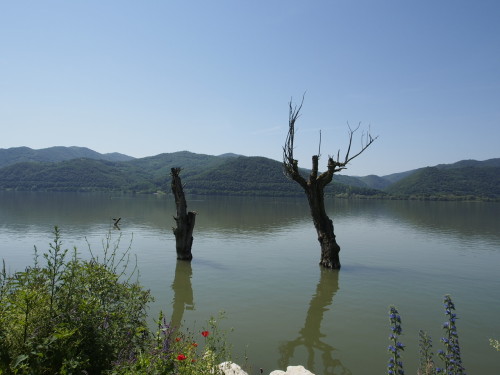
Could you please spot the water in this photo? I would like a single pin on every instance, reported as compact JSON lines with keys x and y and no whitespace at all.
{"x":257,"y":259}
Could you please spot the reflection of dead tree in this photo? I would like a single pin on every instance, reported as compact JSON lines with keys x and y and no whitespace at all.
{"x":184,"y":220}
{"x":310,"y":336}
{"x":314,"y":186}
{"x":183,"y":292}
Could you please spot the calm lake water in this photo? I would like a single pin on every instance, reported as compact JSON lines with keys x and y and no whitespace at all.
{"x":257,"y":260}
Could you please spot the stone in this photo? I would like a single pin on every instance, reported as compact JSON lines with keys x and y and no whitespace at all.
{"x":292,"y":370}
{"x":230,"y":368}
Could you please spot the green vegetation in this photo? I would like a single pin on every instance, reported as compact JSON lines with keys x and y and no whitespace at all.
{"x":56,"y":170}
{"x":172,"y":351}
{"x":451,"y":183}
{"x":15,"y":155}
{"x":69,"y":316}
{"x":202,"y":174}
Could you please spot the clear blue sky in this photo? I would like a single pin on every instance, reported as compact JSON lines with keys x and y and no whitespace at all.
{"x":147,"y":77}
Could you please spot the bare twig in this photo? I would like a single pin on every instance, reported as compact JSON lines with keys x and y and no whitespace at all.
{"x":319,"y":147}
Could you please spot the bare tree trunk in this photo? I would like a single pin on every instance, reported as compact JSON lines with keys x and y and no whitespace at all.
{"x":184,"y":220}
{"x":324,"y":228}
{"x":314,"y":190}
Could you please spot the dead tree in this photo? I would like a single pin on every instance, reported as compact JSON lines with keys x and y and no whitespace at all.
{"x":185,"y":220}
{"x":315,"y":184}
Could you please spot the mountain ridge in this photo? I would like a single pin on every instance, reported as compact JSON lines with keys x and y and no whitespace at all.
{"x":15,"y":155}
{"x":82,"y":169}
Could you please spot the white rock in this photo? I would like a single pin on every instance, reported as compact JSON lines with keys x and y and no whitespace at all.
{"x":292,"y":370}
{"x":230,"y":368}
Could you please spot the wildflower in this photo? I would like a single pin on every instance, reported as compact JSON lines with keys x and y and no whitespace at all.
{"x":177,"y":339}
{"x":451,"y":355}
{"x":195,"y":344}
{"x":181,"y":357}
{"x":205,"y":333}
{"x":395,"y":366}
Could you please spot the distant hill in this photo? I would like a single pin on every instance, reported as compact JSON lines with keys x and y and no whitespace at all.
{"x":375,"y":182}
{"x":81,"y":169}
{"x":384,"y":182}
{"x":471,"y":163}
{"x":229,"y":155}
{"x":15,"y":155}
{"x":227,"y":174}
{"x":448,"y":182}
{"x":256,"y":175}
{"x":68,"y":175}
{"x":395,"y":177}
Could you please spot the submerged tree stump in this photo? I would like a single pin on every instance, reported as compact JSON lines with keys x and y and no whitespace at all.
{"x":185,"y":220}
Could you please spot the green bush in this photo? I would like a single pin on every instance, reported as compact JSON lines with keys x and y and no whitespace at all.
{"x":70,"y":315}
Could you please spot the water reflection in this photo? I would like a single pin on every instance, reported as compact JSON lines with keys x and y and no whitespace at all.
{"x":235,"y":215}
{"x":183,"y":292}
{"x":310,"y":336}
{"x":457,"y":218}
{"x":90,"y":210}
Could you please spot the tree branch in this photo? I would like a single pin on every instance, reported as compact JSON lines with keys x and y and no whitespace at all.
{"x":364,"y":145}
{"x":290,"y":165}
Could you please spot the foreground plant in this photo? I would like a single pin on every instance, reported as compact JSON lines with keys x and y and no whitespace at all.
{"x":69,"y":315}
{"x":395,"y":366}
{"x":74,"y":316}
{"x":427,"y":366}
{"x":451,"y":355}
{"x":176,"y":351}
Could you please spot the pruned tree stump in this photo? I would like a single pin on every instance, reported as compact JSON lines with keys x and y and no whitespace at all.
{"x":184,"y":220}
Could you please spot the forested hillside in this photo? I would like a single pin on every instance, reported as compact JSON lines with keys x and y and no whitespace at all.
{"x":436,"y":183}
{"x":227,"y":174}
{"x":65,"y":169}
{"x":16,"y":155}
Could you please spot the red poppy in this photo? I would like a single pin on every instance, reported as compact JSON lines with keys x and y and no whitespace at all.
{"x":181,"y":357}
{"x":205,"y":333}
{"x":195,"y":344}
{"x":177,"y":339}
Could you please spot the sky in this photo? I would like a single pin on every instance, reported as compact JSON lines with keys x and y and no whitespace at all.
{"x":212,"y":77}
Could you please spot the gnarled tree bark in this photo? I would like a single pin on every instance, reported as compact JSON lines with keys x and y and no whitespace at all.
{"x":315,"y":184}
{"x":185,"y":220}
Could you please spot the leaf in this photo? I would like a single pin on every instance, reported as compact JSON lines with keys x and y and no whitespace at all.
{"x":20,"y":358}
